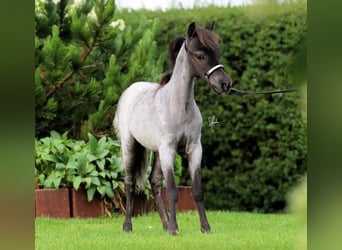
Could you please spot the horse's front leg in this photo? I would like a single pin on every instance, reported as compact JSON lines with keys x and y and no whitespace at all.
{"x":167,"y":156}
{"x":195,"y":157}
{"x":156,"y":182}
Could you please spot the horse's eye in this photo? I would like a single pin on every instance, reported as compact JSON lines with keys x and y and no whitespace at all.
{"x":200,"y":56}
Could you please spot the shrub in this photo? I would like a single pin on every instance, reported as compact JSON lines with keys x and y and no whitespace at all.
{"x":94,"y":165}
{"x":84,"y":59}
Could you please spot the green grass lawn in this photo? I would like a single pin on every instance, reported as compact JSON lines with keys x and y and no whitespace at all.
{"x":230,"y":230}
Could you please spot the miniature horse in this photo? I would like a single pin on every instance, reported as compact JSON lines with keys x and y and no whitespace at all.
{"x":165,"y":119}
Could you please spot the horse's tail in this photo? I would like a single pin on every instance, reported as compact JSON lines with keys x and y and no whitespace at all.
{"x":116,"y":125}
{"x":139,"y":163}
{"x":140,"y":168}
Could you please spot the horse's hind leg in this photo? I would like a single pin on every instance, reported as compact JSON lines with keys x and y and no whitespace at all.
{"x":156,"y":182}
{"x":127,"y":160}
{"x":133,"y":158}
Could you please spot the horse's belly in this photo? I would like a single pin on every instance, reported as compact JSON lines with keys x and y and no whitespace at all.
{"x":148,"y":142}
{"x":145,"y":133}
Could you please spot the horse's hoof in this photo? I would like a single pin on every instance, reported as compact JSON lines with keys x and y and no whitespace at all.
{"x":173,"y":228}
{"x":127,"y":230}
{"x":173,"y":232}
{"x":127,"y":227}
{"x":165,"y":226}
{"x":205,"y":229}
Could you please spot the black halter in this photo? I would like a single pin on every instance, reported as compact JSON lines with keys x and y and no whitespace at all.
{"x":211,"y":70}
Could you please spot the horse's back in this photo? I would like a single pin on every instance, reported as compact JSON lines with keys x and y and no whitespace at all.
{"x":138,"y":89}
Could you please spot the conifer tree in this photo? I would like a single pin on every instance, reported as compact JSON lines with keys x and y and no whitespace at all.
{"x":84,"y":59}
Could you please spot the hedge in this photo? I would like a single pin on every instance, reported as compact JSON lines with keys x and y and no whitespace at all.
{"x":257,"y":150}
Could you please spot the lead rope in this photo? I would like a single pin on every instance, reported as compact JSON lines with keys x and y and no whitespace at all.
{"x":245,"y":93}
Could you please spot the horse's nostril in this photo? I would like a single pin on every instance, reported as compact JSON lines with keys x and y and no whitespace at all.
{"x":225,"y":86}
{"x":230,"y":83}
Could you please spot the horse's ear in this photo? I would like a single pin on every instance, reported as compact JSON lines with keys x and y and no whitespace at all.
{"x":192,"y":30}
{"x":210,"y":26}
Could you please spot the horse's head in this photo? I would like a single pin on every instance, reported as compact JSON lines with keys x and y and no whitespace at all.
{"x":202,"y":48}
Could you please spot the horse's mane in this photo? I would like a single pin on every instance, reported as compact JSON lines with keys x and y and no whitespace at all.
{"x":173,"y":50}
{"x":207,"y":39}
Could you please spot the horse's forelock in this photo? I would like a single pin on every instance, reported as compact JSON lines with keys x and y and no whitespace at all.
{"x":207,"y":38}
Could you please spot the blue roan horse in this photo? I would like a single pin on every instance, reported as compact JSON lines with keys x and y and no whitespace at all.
{"x":164,"y":118}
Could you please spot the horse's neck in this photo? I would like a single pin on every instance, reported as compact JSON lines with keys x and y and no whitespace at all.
{"x":181,"y":84}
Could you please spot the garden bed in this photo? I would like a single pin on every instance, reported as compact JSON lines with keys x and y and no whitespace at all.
{"x":66,"y":203}
{"x":69,"y":203}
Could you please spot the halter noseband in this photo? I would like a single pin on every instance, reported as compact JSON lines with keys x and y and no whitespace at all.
{"x":210,"y":71}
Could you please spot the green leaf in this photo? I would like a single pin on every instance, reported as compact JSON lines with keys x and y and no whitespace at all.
{"x":102,"y":143}
{"x":114,"y":175}
{"x":41,"y":178}
{"x":91,"y":157}
{"x":121,"y":186}
{"x":60,"y":173}
{"x":95,"y":181}
{"x":115,"y":185}
{"x":88,"y":182}
{"x":59,"y":146}
{"x":101,"y":190}
{"x":103,"y":153}
{"x":101,"y":163}
{"x":77,"y":182}
{"x":70,"y":177}
{"x":90,"y":168}
{"x":90,"y":193}
{"x":109,"y":191}
{"x":47,"y":157}
{"x":60,"y":166}
{"x":92,"y":143}
{"x":53,"y":180}
{"x":82,"y":163}
{"x":57,"y":182}
{"x":94,"y":174}
{"x":54,"y":134}
{"x":71,"y":165}
{"x":48,"y":182}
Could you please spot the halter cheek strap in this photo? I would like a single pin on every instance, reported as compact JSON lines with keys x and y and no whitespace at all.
{"x":212,"y":70}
